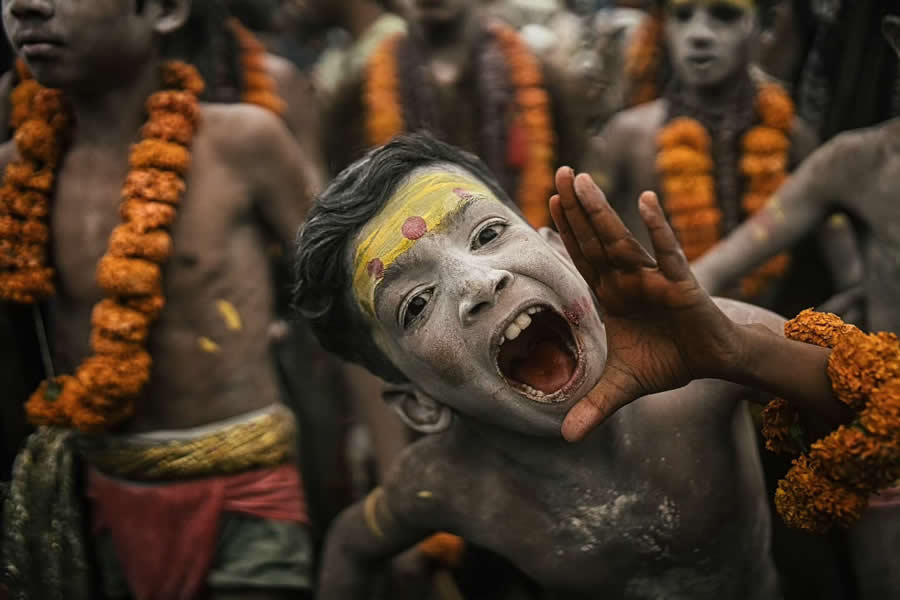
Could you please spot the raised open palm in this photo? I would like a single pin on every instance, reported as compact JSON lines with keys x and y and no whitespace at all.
{"x":663,"y":329}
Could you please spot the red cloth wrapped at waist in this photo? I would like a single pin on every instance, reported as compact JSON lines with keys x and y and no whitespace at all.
{"x":165,"y":535}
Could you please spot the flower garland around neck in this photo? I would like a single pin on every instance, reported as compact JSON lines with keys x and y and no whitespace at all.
{"x":642,"y":60}
{"x":102,"y":391}
{"x":531,"y":124}
{"x":259,"y":86}
{"x":832,"y":482}
{"x":689,"y":193}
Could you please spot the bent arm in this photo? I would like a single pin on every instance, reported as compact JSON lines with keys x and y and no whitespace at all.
{"x":362,"y":538}
{"x":794,"y":211}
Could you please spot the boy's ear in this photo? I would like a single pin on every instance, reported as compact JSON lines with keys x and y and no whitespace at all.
{"x":416,"y":408}
{"x":172,"y":17}
{"x":890,"y":27}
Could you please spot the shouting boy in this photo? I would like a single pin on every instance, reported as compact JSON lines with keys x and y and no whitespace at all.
{"x":416,"y":264}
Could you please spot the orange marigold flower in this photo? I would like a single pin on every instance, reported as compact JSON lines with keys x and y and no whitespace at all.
{"x":158,"y":154}
{"x":860,"y":363}
{"x":384,"y":118}
{"x":881,"y":417}
{"x":444,"y":548}
{"x":128,"y":276}
{"x":115,"y":377}
{"x":684,"y":131}
{"x":857,"y":459}
{"x":10,"y":228}
{"x":22,"y":174}
{"x":26,"y":287}
{"x":691,"y":185}
{"x":752,"y":203}
{"x":821,"y":329}
{"x":762,"y":165}
{"x":781,"y":427}
{"x":182,"y":103}
{"x":105,"y":345}
{"x":154,"y":245}
{"x":258,"y":80}
{"x":24,"y":203}
{"x":682,"y":160}
{"x":532,"y":97}
{"x":144,"y":216}
{"x":150,"y":305}
{"x":120,"y":322}
{"x":706,"y":217}
{"x":766,"y":184}
{"x":807,"y":500}
{"x":35,"y":232}
{"x":775,"y":266}
{"x":154,"y":185}
{"x":44,"y":407}
{"x":182,"y":76}
{"x":775,"y":107}
{"x":37,"y":141}
{"x":22,"y":255}
{"x":170,"y":127}
{"x":765,"y":140}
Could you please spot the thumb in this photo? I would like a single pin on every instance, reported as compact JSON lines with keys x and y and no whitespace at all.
{"x":615,"y":389}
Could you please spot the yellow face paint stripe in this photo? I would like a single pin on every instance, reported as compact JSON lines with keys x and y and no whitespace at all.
{"x":416,"y":208}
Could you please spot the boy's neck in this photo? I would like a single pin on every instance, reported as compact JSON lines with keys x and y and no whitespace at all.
{"x":112,"y":112}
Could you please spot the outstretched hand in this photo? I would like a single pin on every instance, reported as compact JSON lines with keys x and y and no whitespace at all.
{"x":663,"y":329}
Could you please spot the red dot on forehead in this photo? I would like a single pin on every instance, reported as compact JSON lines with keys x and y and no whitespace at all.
{"x":375,"y":268}
{"x":414,"y":228}
{"x":463,"y":194}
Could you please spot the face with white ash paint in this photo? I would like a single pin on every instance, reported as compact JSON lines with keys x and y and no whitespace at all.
{"x":481,"y":312}
{"x":709,"y":41}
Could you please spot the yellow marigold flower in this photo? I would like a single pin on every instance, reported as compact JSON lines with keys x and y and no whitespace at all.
{"x":860,"y":363}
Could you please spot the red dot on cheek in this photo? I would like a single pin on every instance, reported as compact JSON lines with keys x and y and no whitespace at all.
{"x":375,"y":268}
{"x":414,"y":228}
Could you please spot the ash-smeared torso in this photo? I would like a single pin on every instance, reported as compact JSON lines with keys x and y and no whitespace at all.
{"x":665,"y":500}
{"x":206,"y":367}
{"x":863,"y":176}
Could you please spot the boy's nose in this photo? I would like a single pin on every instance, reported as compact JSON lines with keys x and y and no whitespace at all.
{"x":480,"y":290}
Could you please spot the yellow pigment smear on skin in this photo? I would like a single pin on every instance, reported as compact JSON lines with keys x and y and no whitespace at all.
{"x":229,"y":314}
{"x":207,"y":345}
{"x":416,"y":208}
{"x":742,"y":4}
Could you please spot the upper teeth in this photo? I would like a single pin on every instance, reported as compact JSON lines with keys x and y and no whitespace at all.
{"x":519,"y":324}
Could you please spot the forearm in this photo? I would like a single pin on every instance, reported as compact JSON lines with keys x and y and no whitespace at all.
{"x":791,"y":370}
{"x":346,"y":574}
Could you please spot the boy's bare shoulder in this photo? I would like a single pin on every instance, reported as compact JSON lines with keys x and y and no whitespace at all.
{"x":423,"y":484}
{"x":643,"y":119}
{"x":239,"y":125}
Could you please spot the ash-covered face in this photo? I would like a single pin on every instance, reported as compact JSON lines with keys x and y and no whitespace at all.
{"x":68,"y":43}
{"x":435,"y":12}
{"x":475,"y":307}
{"x":709,"y":41}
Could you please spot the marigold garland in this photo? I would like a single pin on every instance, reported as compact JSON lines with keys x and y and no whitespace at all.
{"x":102,"y":392}
{"x":686,"y":169}
{"x":832,"y":483}
{"x":384,"y":114}
{"x":259,"y":86}
{"x":643,"y":58}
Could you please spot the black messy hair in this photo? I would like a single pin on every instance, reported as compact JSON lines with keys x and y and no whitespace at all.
{"x":322,"y":292}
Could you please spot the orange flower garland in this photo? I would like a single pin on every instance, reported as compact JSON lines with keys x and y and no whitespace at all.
{"x":259,"y":87}
{"x":102,"y":391}
{"x":689,"y":195}
{"x":642,"y":60}
{"x":384,"y":115}
{"x":834,"y":481}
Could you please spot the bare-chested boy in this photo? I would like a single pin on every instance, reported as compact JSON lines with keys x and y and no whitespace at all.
{"x":211,"y":405}
{"x":415,"y":264}
{"x":857,"y":173}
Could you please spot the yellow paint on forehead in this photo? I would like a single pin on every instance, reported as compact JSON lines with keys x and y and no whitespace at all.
{"x":416,"y":208}
{"x":742,"y":4}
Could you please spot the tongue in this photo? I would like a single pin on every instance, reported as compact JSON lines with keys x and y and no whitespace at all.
{"x":547,"y":367}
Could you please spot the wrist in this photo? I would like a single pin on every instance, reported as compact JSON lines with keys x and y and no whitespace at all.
{"x":744,"y":346}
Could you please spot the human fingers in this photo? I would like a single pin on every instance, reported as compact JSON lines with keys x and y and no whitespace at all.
{"x":622,"y":249}
{"x":568,"y":238}
{"x":615,"y":389}
{"x":669,"y":255}
{"x":582,"y":231}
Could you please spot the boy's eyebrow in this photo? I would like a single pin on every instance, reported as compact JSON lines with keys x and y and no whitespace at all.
{"x":453,"y":219}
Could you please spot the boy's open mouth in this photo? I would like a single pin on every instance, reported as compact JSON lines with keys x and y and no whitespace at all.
{"x":539,"y":356}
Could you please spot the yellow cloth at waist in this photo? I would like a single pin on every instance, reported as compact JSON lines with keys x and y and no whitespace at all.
{"x":265,"y":440}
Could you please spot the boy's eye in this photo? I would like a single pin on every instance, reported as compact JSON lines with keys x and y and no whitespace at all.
{"x":724,"y":12}
{"x":684,"y":12}
{"x":415,"y":307}
{"x":487,"y":235}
